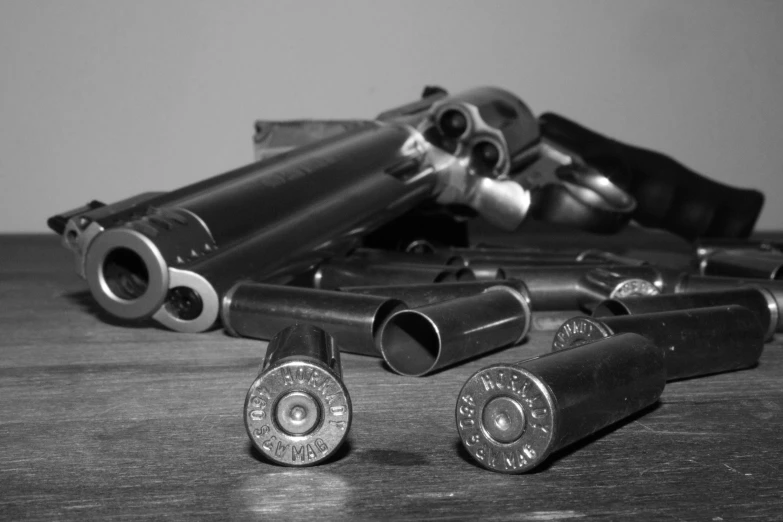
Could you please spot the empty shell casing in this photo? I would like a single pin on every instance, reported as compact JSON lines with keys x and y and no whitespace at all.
{"x":574,"y":287}
{"x":419,"y":295}
{"x":334,"y":274}
{"x":422,"y":340}
{"x":762,"y":265}
{"x":757,"y":300}
{"x":510,"y":417}
{"x":260,"y":311}
{"x":699,"y":341}
{"x":298,"y":411}
{"x":694,"y":283}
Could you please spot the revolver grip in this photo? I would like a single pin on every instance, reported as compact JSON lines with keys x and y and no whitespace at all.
{"x":669,"y":195}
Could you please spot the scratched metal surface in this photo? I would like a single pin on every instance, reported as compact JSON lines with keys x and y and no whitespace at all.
{"x":102,"y":421}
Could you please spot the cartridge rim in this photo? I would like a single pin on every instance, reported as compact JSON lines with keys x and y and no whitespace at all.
{"x":633,"y":287}
{"x":316,"y":388}
{"x":578,"y":331}
{"x":528,"y":444}
{"x":399,"y":355}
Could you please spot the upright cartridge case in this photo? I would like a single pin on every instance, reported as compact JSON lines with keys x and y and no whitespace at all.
{"x":689,"y":283}
{"x":419,"y":295}
{"x":334,"y":275}
{"x":260,"y":311}
{"x":420,"y":341}
{"x":298,"y":411}
{"x":699,"y":341}
{"x":757,"y":300}
{"x":511,"y":417}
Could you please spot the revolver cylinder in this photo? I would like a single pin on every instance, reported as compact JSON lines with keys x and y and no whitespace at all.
{"x":758,"y":300}
{"x":298,"y":411}
{"x":511,"y":417}
{"x":698,"y":341}
{"x":260,"y":311}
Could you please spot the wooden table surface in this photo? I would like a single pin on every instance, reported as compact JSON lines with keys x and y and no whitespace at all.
{"x":100,"y":420}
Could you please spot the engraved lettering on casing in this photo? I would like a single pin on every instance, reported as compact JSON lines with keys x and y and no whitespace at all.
{"x":280,"y":450}
{"x":338,"y":410}
{"x":262,"y":391}
{"x":257,"y":415}
{"x":297,"y":452}
{"x":285,"y":373}
{"x":260,"y":432}
{"x":339,"y":424}
{"x":321,"y":446}
{"x":574,"y":332}
{"x":268,"y":444}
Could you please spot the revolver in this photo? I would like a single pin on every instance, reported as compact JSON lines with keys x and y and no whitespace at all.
{"x":172,"y":255}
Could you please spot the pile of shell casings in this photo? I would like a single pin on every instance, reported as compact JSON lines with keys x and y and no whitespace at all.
{"x":425,"y":311}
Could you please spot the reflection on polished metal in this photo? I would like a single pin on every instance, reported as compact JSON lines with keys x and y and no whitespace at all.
{"x":511,"y":417}
{"x":758,"y":300}
{"x":762,"y":265}
{"x":574,"y":287}
{"x":298,"y":411}
{"x":419,"y":295}
{"x":420,"y":341}
{"x":260,"y":311}
{"x":699,"y":341}
{"x":688,"y":283}
{"x":333,"y":275}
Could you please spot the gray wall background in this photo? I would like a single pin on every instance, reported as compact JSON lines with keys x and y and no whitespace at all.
{"x":104,"y":99}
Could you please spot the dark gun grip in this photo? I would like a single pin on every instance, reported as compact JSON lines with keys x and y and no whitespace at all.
{"x":669,"y":195}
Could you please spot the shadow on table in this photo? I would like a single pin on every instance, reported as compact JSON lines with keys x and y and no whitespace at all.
{"x":568,"y":450}
{"x":84,"y":300}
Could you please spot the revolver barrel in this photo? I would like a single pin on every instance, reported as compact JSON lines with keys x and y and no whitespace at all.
{"x":266,"y":220}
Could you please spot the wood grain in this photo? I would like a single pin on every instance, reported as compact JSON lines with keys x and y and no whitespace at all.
{"x":101,"y":420}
